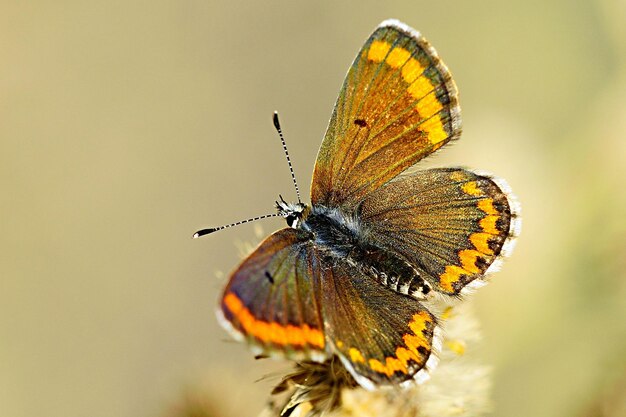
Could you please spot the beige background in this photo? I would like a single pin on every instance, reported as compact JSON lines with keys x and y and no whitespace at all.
{"x":125,"y":126}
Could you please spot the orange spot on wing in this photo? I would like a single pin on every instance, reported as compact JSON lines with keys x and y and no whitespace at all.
{"x":429,"y":105}
{"x":397,"y":57}
{"x":418,"y":324}
{"x":378,"y":51}
{"x":488,"y":224}
{"x":272,"y":332}
{"x":395,"y":365}
{"x":487,"y":207}
{"x":420,"y":88}
{"x":411,"y":70}
{"x":406,"y":355}
{"x":377,"y":366}
{"x":356,"y":355}
{"x":434,"y":129}
{"x":471,"y":189}
{"x":481,"y":242}
{"x":451,"y":275}
{"x":468,"y":259}
{"x":413,"y":341}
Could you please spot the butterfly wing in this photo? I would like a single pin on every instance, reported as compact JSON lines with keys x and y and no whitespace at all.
{"x":272,"y":300}
{"x":397,"y":105}
{"x":383,"y":338}
{"x":451,"y":224}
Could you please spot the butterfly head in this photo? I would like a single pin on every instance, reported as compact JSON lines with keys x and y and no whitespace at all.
{"x":293,"y":213}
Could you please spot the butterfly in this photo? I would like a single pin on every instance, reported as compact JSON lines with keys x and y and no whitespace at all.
{"x":350,"y":275}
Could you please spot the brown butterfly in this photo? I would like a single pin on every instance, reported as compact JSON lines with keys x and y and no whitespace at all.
{"x":349,"y":276}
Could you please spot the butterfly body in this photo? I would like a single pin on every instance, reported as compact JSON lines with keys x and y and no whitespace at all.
{"x":352,"y":274}
{"x":343,"y":238}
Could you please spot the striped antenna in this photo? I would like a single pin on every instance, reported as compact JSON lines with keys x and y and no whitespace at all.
{"x":282,"y":139}
{"x":203,"y":232}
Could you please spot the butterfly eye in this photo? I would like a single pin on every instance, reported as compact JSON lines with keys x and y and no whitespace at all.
{"x":291,"y":220}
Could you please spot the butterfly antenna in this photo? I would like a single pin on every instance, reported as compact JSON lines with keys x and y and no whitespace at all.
{"x":282,"y":139}
{"x":203,"y":232}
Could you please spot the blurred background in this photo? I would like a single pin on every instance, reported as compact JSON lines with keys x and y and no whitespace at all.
{"x":126,"y":126}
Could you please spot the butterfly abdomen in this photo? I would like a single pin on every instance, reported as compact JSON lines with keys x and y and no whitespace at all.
{"x":391,"y":271}
{"x":341,"y":237}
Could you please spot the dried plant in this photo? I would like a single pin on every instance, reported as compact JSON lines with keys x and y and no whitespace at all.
{"x":460,"y":386}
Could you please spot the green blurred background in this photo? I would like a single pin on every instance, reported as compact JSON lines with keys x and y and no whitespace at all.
{"x":125,"y":126}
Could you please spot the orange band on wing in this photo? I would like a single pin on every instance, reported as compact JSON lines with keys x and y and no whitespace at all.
{"x":480,"y":240}
{"x":419,"y":86}
{"x":471,"y":188}
{"x":272,"y":332}
{"x":400,"y":362}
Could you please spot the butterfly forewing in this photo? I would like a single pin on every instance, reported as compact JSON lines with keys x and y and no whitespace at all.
{"x":272,"y":298}
{"x":451,"y":224}
{"x":382,"y":337}
{"x":397,"y":105}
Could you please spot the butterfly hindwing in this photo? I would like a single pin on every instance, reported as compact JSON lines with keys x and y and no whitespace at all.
{"x":397,"y":105}
{"x":381,"y":337}
{"x":451,"y":224}
{"x":272,"y":300}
